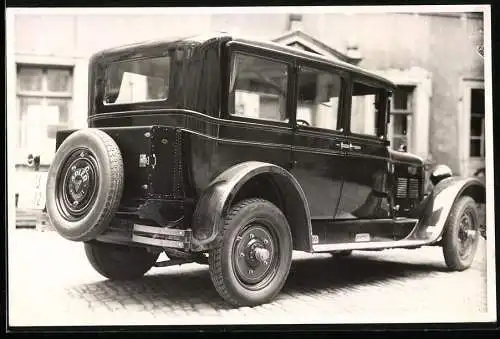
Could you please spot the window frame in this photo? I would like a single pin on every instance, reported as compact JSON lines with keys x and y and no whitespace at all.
{"x":409,"y":113}
{"x":235,"y":47}
{"x":96,"y":103}
{"x":44,"y":95}
{"x":44,"y":92}
{"x":301,"y":64}
{"x":380,"y":121}
{"x":482,"y":137}
{"x":136,"y":59}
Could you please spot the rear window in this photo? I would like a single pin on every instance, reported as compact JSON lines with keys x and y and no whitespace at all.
{"x":135,"y":81}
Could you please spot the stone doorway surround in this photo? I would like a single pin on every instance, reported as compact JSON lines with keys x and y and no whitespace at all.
{"x":421,"y":80}
{"x":468,"y":165}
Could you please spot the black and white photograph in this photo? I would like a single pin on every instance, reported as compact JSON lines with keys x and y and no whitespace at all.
{"x":249,"y":165}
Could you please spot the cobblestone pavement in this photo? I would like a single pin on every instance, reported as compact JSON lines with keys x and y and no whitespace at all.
{"x":51,"y":283}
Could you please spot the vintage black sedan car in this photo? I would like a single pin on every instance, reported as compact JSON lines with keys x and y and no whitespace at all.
{"x":234,"y":152}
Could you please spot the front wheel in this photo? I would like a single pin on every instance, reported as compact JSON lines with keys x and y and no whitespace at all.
{"x":118,"y":262}
{"x":252,"y":263}
{"x":461,"y":235}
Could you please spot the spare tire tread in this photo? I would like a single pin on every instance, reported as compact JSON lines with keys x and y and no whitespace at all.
{"x":115,"y":186}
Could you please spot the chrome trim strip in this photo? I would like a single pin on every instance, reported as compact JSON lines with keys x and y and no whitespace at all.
{"x":235,"y":141}
{"x":261,"y":124}
{"x":159,"y":230}
{"x":322,"y":151}
{"x":368,"y":245}
{"x":157,"y":242}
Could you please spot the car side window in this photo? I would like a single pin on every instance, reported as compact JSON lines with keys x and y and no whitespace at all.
{"x":258,"y":88}
{"x":365,"y":109}
{"x":318,"y":98}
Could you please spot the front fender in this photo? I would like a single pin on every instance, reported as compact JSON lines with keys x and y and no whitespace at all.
{"x":435,"y":209}
{"x":216,"y":200}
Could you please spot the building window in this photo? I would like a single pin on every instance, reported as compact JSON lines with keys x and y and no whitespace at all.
{"x":318,"y":98}
{"x":476,"y":123}
{"x":44,"y":95}
{"x":258,"y":88}
{"x":401,"y":117}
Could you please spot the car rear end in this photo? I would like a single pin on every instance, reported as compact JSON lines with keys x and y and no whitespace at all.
{"x":124,"y":178}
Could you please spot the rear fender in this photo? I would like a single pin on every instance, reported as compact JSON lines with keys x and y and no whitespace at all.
{"x":216,"y":200}
{"x":435,"y":209}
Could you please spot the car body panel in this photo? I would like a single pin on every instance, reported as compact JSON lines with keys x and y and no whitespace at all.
{"x":435,"y":209}
{"x":365,"y":181}
{"x":201,"y":157}
{"x":217,"y":198}
{"x":430,"y":217}
{"x":318,"y":166}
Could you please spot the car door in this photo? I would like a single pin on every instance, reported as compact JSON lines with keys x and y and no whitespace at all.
{"x":319,"y":139}
{"x":256,"y":125}
{"x":364,"y":193}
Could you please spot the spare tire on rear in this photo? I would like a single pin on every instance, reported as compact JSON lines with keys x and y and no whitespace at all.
{"x":84,"y":184}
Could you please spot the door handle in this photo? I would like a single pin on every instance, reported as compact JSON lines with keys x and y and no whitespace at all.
{"x":342,"y":145}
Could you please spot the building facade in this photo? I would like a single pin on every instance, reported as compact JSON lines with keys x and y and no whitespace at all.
{"x":435,"y":59}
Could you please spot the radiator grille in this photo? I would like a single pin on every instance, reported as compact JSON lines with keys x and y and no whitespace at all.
{"x":408,"y":188}
{"x":413,"y":189}
{"x":402,"y":187}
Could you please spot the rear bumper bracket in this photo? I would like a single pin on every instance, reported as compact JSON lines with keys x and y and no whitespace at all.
{"x":162,"y":237}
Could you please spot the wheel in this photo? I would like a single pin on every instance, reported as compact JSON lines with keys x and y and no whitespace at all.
{"x":84,"y":184}
{"x":461,"y":235}
{"x":252,"y":263}
{"x":345,"y":253}
{"x":118,"y":262}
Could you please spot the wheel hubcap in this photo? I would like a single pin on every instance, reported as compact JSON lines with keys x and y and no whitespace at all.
{"x":77,"y":184}
{"x":255,"y":253}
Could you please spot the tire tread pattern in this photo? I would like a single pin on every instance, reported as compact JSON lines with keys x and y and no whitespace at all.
{"x":449,"y":241}
{"x":115,"y":187}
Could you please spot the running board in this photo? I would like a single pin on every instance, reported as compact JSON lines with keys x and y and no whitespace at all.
{"x":370,"y":245}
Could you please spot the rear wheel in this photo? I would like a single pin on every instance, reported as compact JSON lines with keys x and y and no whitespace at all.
{"x":118,"y":262}
{"x":253,"y":261}
{"x":461,"y":235}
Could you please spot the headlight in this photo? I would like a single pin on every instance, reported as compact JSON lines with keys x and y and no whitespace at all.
{"x":439,"y":173}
